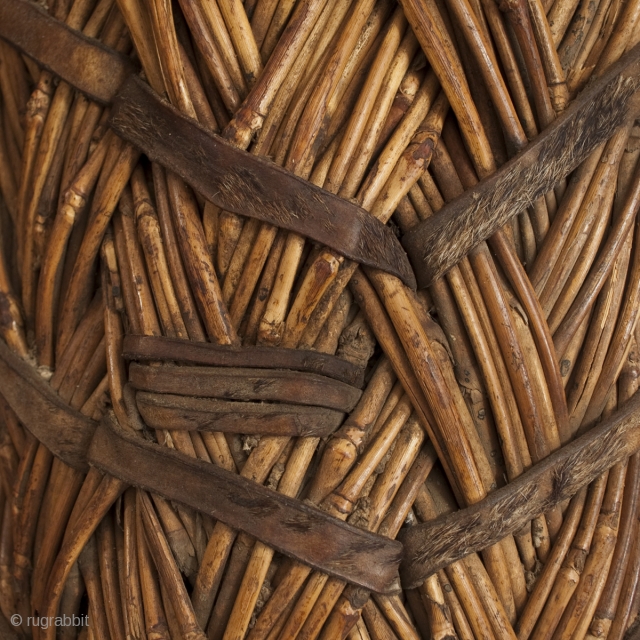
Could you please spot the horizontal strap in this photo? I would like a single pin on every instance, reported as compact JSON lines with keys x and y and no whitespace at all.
{"x":85,"y":63}
{"x":289,"y":526}
{"x":64,"y":431}
{"x":249,"y":185}
{"x":159,"y":348}
{"x":441,"y":241}
{"x":245,"y":384}
{"x":436,"y":544}
{"x":165,"y":411}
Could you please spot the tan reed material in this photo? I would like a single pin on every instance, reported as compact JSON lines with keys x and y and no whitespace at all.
{"x":526,"y":342}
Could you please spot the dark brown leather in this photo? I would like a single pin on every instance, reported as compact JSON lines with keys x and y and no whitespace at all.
{"x":228,"y":383}
{"x":65,"y":432}
{"x":156,"y":348}
{"x":440,"y":242}
{"x":83,"y":62}
{"x":248,"y":185}
{"x":162,"y":411}
{"x":289,"y":526}
{"x":434,"y":545}
{"x":233,"y":179}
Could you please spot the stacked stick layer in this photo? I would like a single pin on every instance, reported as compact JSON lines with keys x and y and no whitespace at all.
{"x":524,"y":344}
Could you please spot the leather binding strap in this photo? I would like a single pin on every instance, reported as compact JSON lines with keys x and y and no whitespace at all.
{"x":258,"y":418}
{"x":249,"y":185}
{"x":154,"y":348}
{"x":428,"y":547}
{"x":440,"y":242}
{"x":229,"y":383}
{"x":288,"y":525}
{"x":64,"y":431}
{"x":434,"y":545}
{"x":233,"y":179}
{"x":85,"y":63}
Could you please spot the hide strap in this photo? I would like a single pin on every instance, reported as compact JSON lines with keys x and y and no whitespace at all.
{"x":288,"y":525}
{"x":155,"y":348}
{"x":249,"y":418}
{"x":441,"y":241}
{"x":85,"y":63}
{"x":249,"y":185}
{"x":64,"y":431}
{"x":231,"y":178}
{"x":275,"y":385}
{"x":428,"y":547}
{"x":434,"y":545}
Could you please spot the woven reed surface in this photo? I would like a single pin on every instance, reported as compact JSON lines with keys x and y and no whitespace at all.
{"x":528,"y":342}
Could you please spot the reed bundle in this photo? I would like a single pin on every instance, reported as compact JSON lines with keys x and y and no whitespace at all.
{"x":222,"y":396}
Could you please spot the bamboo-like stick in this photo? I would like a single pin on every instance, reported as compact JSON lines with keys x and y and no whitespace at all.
{"x":75,"y":539}
{"x":550,"y":251}
{"x":25,"y":526}
{"x":623,"y":34}
{"x":178,"y":277}
{"x":545,"y":581}
{"x":86,"y":338}
{"x":14,"y":92}
{"x":151,"y":241}
{"x":51,"y":136}
{"x":573,"y":564}
{"x":132,"y":592}
{"x":458,"y":616}
{"x":167,"y":570}
{"x":606,"y":610}
{"x":257,"y":467}
{"x":106,"y":543}
{"x":8,"y":183}
{"x":11,"y":325}
{"x":220,"y":61}
{"x":155,"y":619}
{"x":101,"y":211}
{"x":90,"y":568}
{"x":62,"y":491}
{"x":581,"y":607}
{"x":597,"y":341}
{"x":71,"y":600}
{"x":540,"y":330}
{"x":603,"y":265}
{"x":560,"y":311}
{"x":377,"y":627}
{"x":240,"y":31}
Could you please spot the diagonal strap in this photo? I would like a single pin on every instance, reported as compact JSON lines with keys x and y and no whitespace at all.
{"x":64,"y":431}
{"x":85,"y":63}
{"x":436,"y":544}
{"x":440,"y":242}
{"x":229,"y":177}
{"x":248,"y":185}
{"x":289,"y":526}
